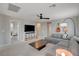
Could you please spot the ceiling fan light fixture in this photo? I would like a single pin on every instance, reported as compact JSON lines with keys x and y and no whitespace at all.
{"x":41,"y":16}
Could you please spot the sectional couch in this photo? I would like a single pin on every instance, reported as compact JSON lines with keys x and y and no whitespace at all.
{"x":54,"y":38}
{"x":69,"y":43}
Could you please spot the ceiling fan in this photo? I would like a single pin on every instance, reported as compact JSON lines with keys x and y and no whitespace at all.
{"x":41,"y":17}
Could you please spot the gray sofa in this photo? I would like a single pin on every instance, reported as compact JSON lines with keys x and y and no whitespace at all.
{"x":70,"y":45}
{"x":54,"y":38}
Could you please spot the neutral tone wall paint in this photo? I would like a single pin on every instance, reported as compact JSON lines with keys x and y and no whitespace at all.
{"x":4,"y":29}
{"x":77,"y":25}
{"x":54,"y":25}
{"x":70,"y":27}
{"x":74,"y":19}
{"x":43,"y":30}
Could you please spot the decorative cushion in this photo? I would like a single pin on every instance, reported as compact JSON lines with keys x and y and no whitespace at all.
{"x":65,"y":36}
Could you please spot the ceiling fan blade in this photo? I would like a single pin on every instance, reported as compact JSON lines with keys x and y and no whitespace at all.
{"x":41,"y":16}
{"x":45,"y":18}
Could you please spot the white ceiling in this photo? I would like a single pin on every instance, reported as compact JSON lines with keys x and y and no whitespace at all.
{"x":29,"y":11}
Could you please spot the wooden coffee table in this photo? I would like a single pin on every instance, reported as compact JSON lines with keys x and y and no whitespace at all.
{"x":40,"y":44}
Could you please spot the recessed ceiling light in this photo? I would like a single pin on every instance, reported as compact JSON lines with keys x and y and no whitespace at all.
{"x":13,"y":8}
{"x":53,"y":5}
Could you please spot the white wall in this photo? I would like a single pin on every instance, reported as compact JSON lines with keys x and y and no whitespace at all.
{"x":70,"y":27}
{"x":54,"y":25}
{"x":43,"y":32}
{"x":4,"y":29}
{"x":76,"y":22}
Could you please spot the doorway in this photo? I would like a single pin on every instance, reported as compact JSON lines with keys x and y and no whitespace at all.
{"x":14,"y":30}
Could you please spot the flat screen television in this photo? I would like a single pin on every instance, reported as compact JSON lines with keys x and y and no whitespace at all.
{"x":29,"y":28}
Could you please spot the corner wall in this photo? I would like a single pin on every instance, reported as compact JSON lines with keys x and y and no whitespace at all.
{"x":4,"y":30}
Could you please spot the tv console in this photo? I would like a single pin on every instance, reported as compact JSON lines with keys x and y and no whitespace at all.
{"x":29,"y":35}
